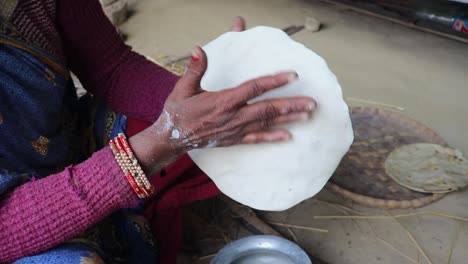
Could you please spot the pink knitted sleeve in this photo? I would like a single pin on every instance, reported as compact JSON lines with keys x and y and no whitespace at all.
{"x":43,"y":213}
{"x":107,"y":67}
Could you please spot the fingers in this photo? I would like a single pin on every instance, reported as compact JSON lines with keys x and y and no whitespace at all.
{"x":253,"y":88}
{"x":265,"y":124}
{"x":289,"y":118}
{"x":238,"y":24}
{"x":190,"y":81}
{"x":277,"y":109}
{"x":259,"y":130}
{"x":278,"y":135}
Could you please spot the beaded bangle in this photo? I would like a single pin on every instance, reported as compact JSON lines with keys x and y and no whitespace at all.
{"x":129,"y":164}
{"x":124,"y":164}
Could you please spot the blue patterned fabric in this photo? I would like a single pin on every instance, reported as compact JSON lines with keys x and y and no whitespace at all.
{"x":44,"y":127}
{"x":72,"y":253}
{"x":122,"y":238}
{"x":31,"y":106}
{"x":9,"y":180}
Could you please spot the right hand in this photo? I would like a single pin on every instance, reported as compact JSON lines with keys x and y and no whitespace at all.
{"x":194,"y":118}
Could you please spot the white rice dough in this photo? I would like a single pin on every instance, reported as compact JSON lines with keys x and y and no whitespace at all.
{"x":276,"y":176}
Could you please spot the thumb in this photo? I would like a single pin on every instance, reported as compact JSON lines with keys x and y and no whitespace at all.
{"x":190,"y":81}
{"x":238,"y":24}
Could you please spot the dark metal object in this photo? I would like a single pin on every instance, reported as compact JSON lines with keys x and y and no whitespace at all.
{"x":248,"y":219}
{"x":404,"y":18}
{"x":293,"y":29}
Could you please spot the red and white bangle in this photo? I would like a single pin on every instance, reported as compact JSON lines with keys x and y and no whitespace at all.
{"x":129,"y":164}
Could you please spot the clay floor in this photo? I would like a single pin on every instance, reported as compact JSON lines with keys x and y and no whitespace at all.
{"x":373,"y":60}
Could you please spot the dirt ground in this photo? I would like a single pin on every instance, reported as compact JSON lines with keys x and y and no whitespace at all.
{"x":374,"y":60}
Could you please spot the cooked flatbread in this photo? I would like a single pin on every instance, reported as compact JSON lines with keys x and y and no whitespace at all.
{"x":428,"y":168}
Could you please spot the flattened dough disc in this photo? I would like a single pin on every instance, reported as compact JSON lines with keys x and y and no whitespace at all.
{"x":428,"y":168}
{"x":276,"y":176}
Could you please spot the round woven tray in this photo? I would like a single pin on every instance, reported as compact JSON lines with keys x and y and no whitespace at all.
{"x":361,"y":174}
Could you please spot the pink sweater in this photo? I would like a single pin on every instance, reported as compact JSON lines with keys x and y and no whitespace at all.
{"x":43,"y":213}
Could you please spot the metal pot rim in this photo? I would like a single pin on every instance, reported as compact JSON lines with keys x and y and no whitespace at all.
{"x":248,"y":245}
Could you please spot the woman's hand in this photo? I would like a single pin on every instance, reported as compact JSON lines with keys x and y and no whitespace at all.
{"x":194,"y":118}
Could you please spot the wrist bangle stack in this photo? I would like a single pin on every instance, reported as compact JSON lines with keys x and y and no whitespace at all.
{"x":130,"y":167}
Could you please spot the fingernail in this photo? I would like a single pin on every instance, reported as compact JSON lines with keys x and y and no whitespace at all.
{"x":195,"y":57}
{"x":311,"y":106}
{"x":292,"y":77}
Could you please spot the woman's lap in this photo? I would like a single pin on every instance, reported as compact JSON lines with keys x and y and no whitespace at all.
{"x":72,"y":253}
{"x":123,"y":237}
{"x":181,"y":183}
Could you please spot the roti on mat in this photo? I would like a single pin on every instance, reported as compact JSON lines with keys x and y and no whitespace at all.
{"x":428,"y":168}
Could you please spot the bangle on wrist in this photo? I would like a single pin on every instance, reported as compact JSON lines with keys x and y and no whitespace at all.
{"x":130,"y":167}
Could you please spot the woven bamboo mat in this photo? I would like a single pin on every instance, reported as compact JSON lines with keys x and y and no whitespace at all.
{"x":361,"y":175}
